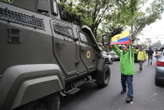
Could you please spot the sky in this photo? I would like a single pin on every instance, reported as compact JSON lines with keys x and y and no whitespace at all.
{"x":154,"y":31}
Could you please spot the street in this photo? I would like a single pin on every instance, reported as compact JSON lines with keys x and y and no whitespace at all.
{"x":147,"y":96}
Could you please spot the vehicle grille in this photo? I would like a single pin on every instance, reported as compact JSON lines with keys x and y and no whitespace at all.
{"x":20,"y":18}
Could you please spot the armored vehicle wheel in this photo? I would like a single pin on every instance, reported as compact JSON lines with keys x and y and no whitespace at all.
{"x":103,"y":77}
{"x":51,"y":102}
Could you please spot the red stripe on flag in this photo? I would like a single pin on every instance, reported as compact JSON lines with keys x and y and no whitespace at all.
{"x":126,"y":42}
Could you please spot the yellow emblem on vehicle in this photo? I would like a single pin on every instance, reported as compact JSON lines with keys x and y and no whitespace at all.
{"x":88,"y":54}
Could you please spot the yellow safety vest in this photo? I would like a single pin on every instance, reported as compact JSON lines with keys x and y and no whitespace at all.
{"x":141,"y":55}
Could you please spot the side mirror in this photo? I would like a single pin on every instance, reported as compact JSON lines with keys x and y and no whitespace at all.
{"x":105,"y":40}
{"x":54,"y":8}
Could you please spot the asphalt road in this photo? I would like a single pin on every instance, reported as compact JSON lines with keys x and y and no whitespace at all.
{"x":147,"y":96}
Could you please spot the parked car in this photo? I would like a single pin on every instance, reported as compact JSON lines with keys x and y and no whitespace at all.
{"x":158,"y":54}
{"x":114,"y":56}
{"x":159,"y":69}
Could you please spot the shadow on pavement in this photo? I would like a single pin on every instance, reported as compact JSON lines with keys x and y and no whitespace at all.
{"x":86,"y":92}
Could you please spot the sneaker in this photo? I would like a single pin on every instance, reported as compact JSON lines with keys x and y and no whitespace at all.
{"x":129,"y":100}
{"x":123,"y":92}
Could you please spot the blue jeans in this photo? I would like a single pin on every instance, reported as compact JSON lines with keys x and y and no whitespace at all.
{"x":127,"y":81}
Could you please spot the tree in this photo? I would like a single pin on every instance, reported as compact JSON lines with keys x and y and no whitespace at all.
{"x":115,"y":15}
{"x":154,"y":13}
{"x":157,"y":44}
{"x":124,"y":14}
{"x":92,"y":12}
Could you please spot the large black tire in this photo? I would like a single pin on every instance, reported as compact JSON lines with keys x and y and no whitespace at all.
{"x":157,"y":81}
{"x":103,"y":77}
{"x":51,"y":102}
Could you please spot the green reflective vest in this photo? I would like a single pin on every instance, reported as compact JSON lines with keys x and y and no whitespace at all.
{"x":126,"y":60}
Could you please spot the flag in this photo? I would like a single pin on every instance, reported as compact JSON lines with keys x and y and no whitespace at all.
{"x":122,"y":38}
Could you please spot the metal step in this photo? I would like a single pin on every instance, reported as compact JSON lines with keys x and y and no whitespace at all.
{"x":72,"y":91}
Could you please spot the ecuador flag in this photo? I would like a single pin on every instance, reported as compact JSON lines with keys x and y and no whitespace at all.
{"x":122,"y":38}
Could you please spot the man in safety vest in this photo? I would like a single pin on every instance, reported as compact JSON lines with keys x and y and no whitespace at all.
{"x":141,"y":57}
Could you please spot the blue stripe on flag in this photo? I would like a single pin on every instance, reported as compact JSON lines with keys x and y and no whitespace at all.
{"x":123,"y":39}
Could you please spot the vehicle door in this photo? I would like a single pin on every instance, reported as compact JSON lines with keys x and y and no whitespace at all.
{"x":81,"y":67}
{"x":64,"y":46}
{"x":88,"y":52}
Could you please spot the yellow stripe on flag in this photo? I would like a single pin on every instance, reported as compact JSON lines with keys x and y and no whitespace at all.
{"x":120,"y":36}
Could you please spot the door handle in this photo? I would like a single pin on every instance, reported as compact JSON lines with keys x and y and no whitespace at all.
{"x":60,"y":44}
{"x":77,"y":63}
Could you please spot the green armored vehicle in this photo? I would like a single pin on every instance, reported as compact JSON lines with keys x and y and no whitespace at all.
{"x":43,"y":56}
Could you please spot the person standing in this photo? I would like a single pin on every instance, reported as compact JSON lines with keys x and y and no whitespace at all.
{"x":141,"y":57}
{"x":150,"y":55}
{"x":126,"y":54}
{"x":157,"y":54}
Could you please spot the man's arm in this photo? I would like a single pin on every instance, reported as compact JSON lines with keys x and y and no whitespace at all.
{"x":133,"y":49}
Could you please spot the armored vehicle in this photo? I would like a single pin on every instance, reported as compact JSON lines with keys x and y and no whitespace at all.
{"x":43,"y":57}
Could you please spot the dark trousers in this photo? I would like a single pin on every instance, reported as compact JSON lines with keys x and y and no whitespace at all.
{"x":141,"y":65}
{"x":127,"y":82}
{"x":150,"y":58}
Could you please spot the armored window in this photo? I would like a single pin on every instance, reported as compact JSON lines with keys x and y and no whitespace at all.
{"x":88,"y":37}
{"x":83,"y":38}
{"x":66,"y":31}
{"x":26,"y":4}
{"x":43,"y":7}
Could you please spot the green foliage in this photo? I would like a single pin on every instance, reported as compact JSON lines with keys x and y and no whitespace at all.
{"x":92,"y":12}
{"x":129,"y":13}
{"x":112,"y":15}
{"x":151,"y":15}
